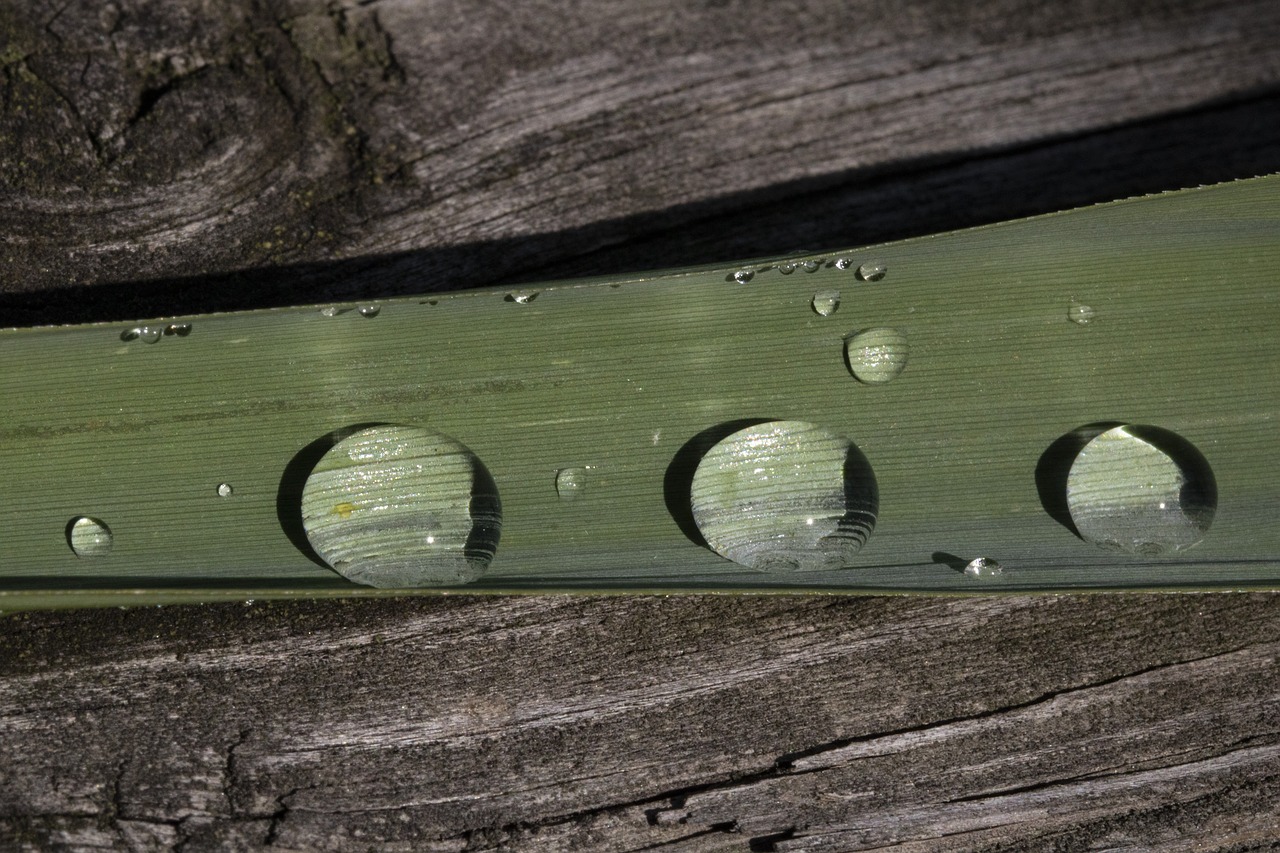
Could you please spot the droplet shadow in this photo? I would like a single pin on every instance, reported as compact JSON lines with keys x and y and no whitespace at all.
{"x":1054,"y":466}
{"x":951,"y":561}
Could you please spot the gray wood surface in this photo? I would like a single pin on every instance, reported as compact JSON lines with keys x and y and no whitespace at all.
{"x":165,"y":157}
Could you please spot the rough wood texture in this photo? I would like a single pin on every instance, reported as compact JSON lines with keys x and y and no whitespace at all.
{"x":164,"y":157}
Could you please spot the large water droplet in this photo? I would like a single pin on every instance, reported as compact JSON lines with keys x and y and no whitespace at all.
{"x":370,"y":311}
{"x":872,"y":271}
{"x":1141,"y":490}
{"x":1079,"y":313}
{"x":826,"y":302}
{"x":983,"y":567}
{"x":400,"y":506}
{"x":570,"y":482}
{"x":743,"y":276}
{"x":786,"y":267}
{"x":809,"y":265}
{"x":785,"y":496}
{"x":89,"y":537}
{"x":876,"y":356}
{"x":225,"y":490}
{"x":844,"y":263}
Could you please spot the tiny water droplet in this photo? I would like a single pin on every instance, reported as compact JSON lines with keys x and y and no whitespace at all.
{"x":570,"y":482}
{"x":743,"y":276}
{"x":334,"y":310}
{"x":89,"y":537}
{"x":370,"y":311}
{"x":844,"y":263}
{"x":785,"y":496}
{"x":401,"y":506}
{"x":826,"y":302}
{"x":872,"y":271}
{"x":1141,"y":490}
{"x":876,"y":356}
{"x":983,"y":567}
{"x":786,"y":268}
{"x":521,"y":297}
{"x":1079,"y":313}
{"x":146,"y":334}
{"x":225,"y":490}
{"x":809,"y":265}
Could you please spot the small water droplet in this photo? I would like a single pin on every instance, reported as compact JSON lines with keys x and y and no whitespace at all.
{"x":146,"y":334}
{"x":179,"y":329}
{"x":872,"y":271}
{"x":826,"y":302}
{"x":521,"y":297}
{"x":983,"y":567}
{"x":743,"y":276}
{"x":225,"y":490}
{"x":844,"y":263}
{"x":876,"y":356}
{"x":1079,"y":313}
{"x":809,"y":265}
{"x":89,"y":537}
{"x":785,"y":496}
{"x":570,"y":482}
{"x":1141,"y":490}
{"x":400,"y":506}
{"x":334,"y":310}
{"x":786,"y":268}
{"x":370,"y":311}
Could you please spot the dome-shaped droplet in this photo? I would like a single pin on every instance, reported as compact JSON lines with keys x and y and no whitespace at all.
{"x":401,"y":506}
{"x":1079,"y":313}
{"x":826,"y":302}
{"x":225,"y":490}
{"x":872,"y":271}
{"x":89,"y":537}
{"x":983,"y":567}
{"x":809,"y":265}
{"x":785,"y":496}
{"x":1141,"y":490}
{"x":570,"y":483}
{"x":743,"y":276}
{"x":877,"y":356}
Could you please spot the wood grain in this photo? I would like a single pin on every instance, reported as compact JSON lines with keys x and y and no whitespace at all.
{"x":170,"y":158}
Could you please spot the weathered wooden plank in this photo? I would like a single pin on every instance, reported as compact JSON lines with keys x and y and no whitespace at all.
{"x":839,"y":724}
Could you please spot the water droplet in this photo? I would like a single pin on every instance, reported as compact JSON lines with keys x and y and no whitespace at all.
{"x":809,"y":265}
{"x":570,"y":482}
{"x":400,"y":506}
{"x":1141,"y":490}
{"x":89,"y":537}
{"x":876,"y":356}
{"x":743,"y":276}
{"x":872,"y":271}
{"x":826,"y":302}
{"x":146,"y":334}
{"x":1079,"y":313}
{"x":983,"y":567}
{"x":334,"y":310}
{"x":521,"y":297}
{"x":370,"y":311}
{"x":844,"y":263}
{"x":785,"y":496}
{"x":225,"y":490}
{"x":786,"y":268}
{"x":179,"y":329}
